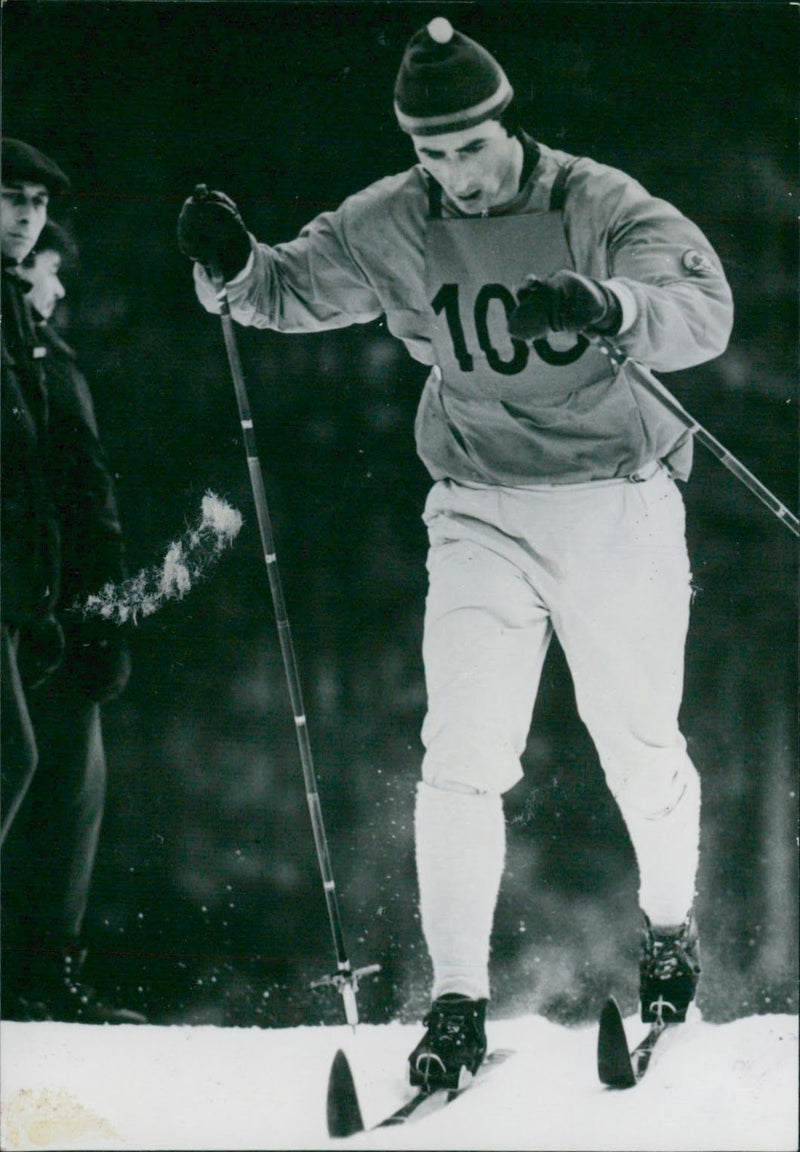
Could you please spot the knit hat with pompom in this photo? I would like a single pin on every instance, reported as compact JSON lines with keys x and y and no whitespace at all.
{"x":447,"y":82}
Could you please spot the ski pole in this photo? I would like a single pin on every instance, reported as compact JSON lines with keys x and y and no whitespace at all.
{"x":735,"y":466}
{"x":346,"y":979}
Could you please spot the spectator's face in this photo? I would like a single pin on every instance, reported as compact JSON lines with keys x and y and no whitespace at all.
{"x":42,"y":271}
{"x":475,"y":167}
{"x":23,"y":214}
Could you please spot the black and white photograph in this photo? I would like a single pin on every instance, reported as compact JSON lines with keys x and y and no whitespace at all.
{"x":399,"y":575}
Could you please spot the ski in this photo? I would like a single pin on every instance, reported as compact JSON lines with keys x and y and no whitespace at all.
{"x":344,"y":1111}
{"x":617,"y":1066}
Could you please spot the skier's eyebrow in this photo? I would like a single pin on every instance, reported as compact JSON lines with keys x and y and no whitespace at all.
{"x":437,"y":153}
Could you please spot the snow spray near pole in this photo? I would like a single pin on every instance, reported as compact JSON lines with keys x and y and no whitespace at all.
{"x":735,"y":466}
{"x":187,"y":560}
{"x":346,"y":979}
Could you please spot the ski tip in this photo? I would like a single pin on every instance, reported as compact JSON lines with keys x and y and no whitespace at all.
{"x":344,"y":1113}
{"x":611,"y":1011}
{"x":614,"y":1065}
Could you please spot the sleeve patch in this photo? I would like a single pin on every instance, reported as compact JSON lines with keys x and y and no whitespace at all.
{"x":696,"y":262}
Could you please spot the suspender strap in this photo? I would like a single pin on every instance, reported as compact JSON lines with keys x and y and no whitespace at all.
{"x":558,"y":193}
{"x":434,"y":199}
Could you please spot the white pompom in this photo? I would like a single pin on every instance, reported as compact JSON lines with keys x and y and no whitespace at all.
{"x":441,"y":30}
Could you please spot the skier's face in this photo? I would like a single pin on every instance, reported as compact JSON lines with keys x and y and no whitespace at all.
{"x":23,"y":214}
{"x":42,"y":272}
{"x":478,"y":167}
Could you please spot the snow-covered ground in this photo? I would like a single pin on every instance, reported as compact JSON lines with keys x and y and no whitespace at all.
{"x":712,"y":1087}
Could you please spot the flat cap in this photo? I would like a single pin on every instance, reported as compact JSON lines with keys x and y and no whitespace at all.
{"x":21,"y":161}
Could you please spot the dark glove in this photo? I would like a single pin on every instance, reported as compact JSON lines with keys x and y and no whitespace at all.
{"x":41,"y":648}
{"x":98,"y":659}
{"x":564,"y":302}
{"x":211,"y":231}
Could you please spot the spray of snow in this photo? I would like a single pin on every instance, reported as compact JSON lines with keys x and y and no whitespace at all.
{"x":186,"y":561}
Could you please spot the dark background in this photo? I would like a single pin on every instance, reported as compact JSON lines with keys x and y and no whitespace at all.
{"x":207,"y":905}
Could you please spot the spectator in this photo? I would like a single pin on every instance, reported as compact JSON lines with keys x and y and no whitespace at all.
{"x":61,"y":539}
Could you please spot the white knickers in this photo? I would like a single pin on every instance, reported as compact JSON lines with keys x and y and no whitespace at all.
{"x":605,"y":565}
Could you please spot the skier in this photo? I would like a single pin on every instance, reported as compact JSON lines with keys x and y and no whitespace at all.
{"x":61,"y":536}
{"x":503,"y":264}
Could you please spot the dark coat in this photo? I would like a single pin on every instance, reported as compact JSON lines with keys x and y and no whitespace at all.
{"x":80,"y":478}
{"x":29,"y":526}
{"x":92,"y":548}
{"x":61,"y":532}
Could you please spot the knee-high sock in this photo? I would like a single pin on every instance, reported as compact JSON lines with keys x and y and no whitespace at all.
{"x":667,"y":851}
{"x":460,"y":848}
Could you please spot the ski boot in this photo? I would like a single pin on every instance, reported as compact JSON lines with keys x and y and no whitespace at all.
{"x":452,"y":1049}
{"x":55,"y":989}
{"x":668,"y":971}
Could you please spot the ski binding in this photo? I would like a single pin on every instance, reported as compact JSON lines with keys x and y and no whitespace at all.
{"x":344,"y":1111}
